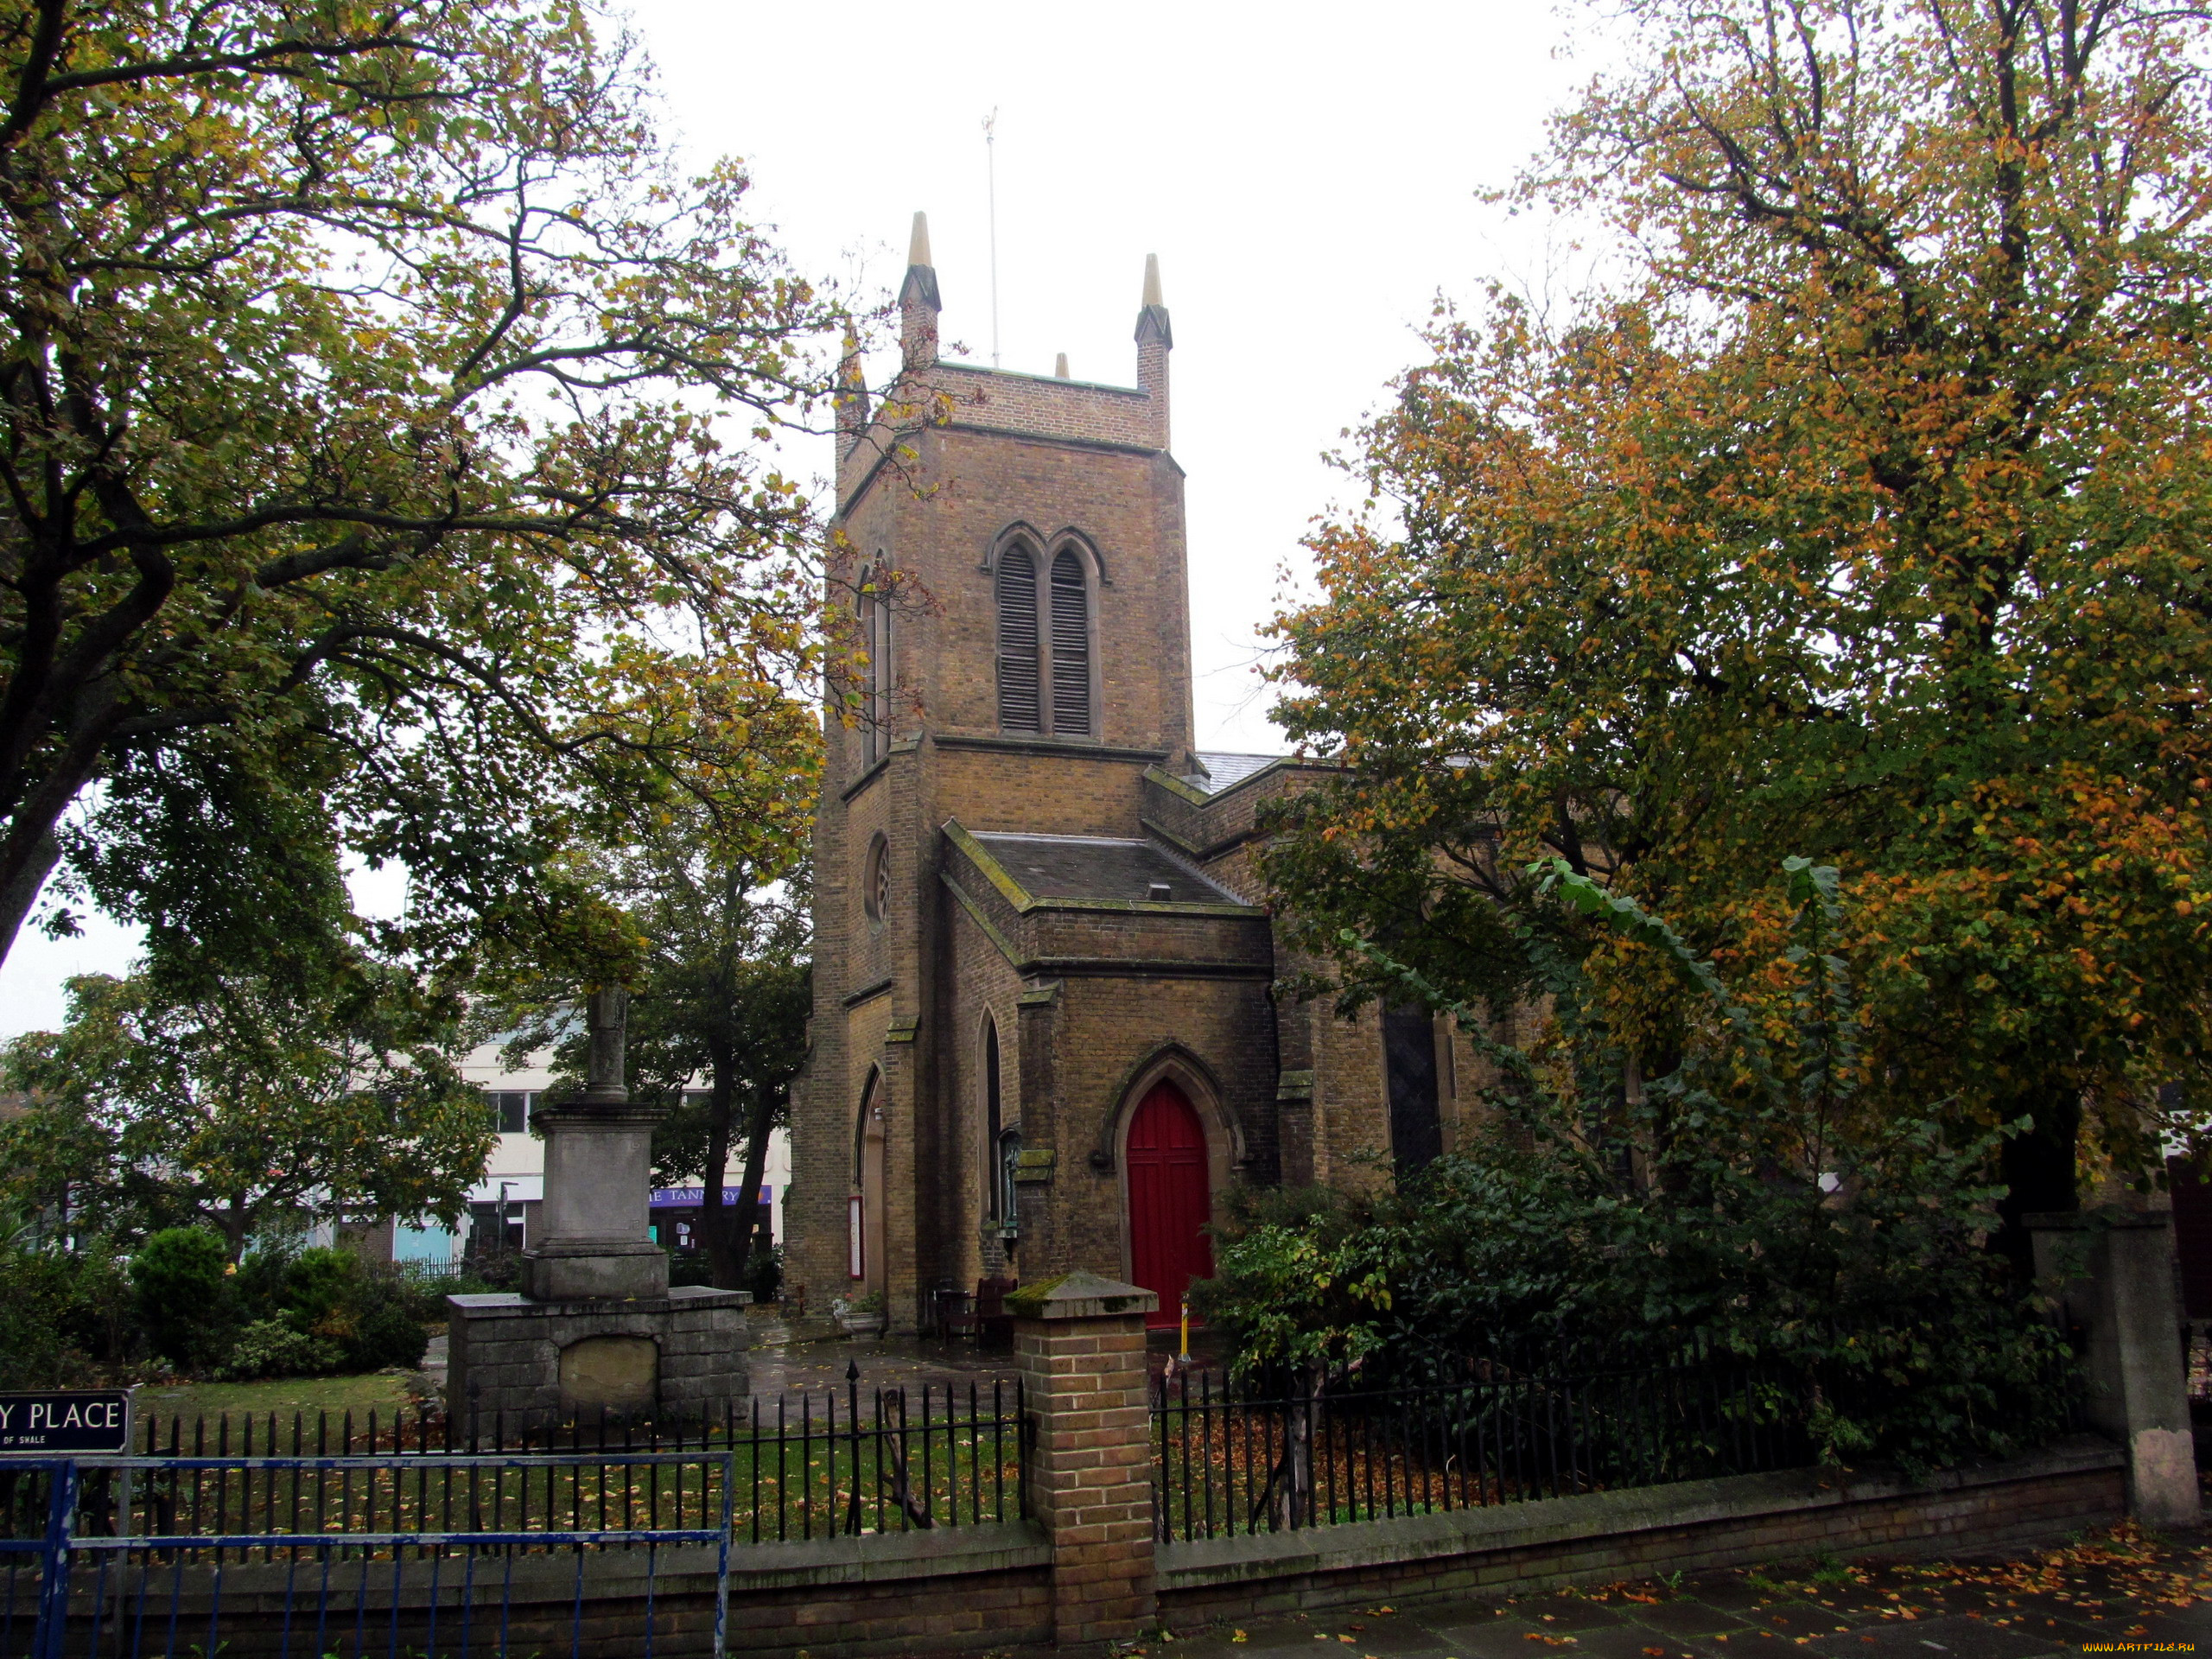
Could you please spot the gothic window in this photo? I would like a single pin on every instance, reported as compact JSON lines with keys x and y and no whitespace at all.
{"x":1070,"y":647}
{"x":1020,"y":705}
{"x":859,"y":1125}
{"x":993,"y":1122}
{"x":1409,"y":1068}
{"x":875,"y":888}
{"x":864,"y":1205}
{"x":1008,"y":1196}
{"x":876,"y":640}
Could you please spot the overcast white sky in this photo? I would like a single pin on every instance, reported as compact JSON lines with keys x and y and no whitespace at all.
{"x":1307,"y":174}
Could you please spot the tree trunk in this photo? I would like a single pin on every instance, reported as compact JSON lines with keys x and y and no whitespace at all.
{"x":724,"y":1259}
{"x":22,"y":888}
{"x":235,"y":1221}
{"x":756,"y":1130}
{"x":2037,"y":1166}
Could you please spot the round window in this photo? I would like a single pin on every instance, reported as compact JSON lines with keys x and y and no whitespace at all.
{"x":876,"y":894}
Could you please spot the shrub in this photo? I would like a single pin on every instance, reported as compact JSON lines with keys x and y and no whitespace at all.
{"x":386,"y":1329}
{"x":258,"y":1287}
{"x":764,"y":1273}
{"x":34,"y":1293}
{"x":66,"y":1316}
{"x":496,"y":1269}
{"x":690,"y":1268}
{"x":272,"y":1348}
{"x":97,"y":1318}
{"x":320,"y":1291}
{"x":182,"y":1295}
{"x":372,"y":1319}
{"x":426,"y":1296}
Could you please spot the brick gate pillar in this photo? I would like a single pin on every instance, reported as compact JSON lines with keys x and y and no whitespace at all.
{"x":2115,"y":1277}
{"x":1078,"y":1340}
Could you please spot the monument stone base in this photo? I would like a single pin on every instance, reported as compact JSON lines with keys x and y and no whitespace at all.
{"x":593,"y":1269}
{"x":547,"y":1362}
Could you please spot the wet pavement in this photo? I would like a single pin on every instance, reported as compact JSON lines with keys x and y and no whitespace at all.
{"x":781,"y":1363}
{"x":2122,"y":1593}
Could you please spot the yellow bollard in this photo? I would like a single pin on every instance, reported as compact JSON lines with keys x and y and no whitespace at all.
{"x":1187,"y":1327}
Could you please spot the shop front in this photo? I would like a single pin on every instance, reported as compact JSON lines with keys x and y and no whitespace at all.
{"x":675,"y":1212}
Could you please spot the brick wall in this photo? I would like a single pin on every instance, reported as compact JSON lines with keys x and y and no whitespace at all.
{"x":1694,"y":1526}
{"x":1084,"y":1569}
{"x":956,"y":1590}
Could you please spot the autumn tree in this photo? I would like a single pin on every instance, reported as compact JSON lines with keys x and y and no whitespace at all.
{"x":718,"y":976}
{"x":382,"y":460}
{"x":1862,"y":516}
{"x":243,"y":1107}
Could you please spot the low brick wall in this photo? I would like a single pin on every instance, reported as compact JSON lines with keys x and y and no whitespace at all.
{"x":951,"y":1590}
{"x":958,"y":1590}
{"x":1692,"y":1526}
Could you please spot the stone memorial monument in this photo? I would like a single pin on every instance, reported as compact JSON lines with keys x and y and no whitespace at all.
{"x":597,"y":1327}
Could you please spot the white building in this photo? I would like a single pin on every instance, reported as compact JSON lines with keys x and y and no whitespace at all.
{"x":513,"y":1183}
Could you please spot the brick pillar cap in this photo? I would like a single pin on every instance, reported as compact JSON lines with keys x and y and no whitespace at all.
{"x":1080,"y":1295}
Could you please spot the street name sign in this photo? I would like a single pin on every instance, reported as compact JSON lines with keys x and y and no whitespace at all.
{"x":61,"y":1422}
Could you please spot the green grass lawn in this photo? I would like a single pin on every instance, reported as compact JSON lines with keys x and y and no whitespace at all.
{"x":376,"y":1391}
{"x":805,"y":1487}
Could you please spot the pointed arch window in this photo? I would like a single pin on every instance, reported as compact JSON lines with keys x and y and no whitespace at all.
{"x":862,"y":1205}
{"x":1070,"y":647}
{"x":994,"y":1118}
{"x":1020,"y":700}
{"x":876,"y":640}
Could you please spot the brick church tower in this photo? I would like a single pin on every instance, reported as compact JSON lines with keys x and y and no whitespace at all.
{"x":1044,"y":1035}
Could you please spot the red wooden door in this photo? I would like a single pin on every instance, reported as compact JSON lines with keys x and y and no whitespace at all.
{"x":1171,"y":1199}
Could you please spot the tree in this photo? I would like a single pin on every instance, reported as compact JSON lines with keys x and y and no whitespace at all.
{"x":1841,"y":1254}
{"x":747,"y":1019}
{"x":1863,"y":517}
{"x":241,"y":1106}
{"x":719,"y":990}
{"x":367,"y":474}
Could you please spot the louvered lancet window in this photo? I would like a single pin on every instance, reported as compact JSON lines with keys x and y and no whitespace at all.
{"x":1070,"y":648}
{"x":875,"y":639}
{"x":1020,"y":703}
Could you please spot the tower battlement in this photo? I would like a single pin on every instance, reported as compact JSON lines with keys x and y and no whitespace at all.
{"x":931,"y":392}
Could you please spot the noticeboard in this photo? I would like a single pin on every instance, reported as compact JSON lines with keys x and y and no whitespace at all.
{"x":64,"y":1422}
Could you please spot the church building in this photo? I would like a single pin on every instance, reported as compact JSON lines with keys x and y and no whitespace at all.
{"x":1053,"y":1026}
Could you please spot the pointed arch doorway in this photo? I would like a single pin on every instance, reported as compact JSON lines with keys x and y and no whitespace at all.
{"x":864,"y":1262}
{"x":1171,"y":1198}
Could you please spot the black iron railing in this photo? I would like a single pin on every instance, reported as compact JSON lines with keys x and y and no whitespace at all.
{"x":833,"y":1463}
{"x":415,"y":1530}
{"x":1324,"y":1451}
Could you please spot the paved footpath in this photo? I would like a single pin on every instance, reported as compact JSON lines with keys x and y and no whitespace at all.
{"x":2116,"y":1592}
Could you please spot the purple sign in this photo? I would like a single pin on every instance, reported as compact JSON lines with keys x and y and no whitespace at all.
{"x":690,"y":1197}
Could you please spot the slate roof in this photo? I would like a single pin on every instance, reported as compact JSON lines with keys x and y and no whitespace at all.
{"x":1224,"y":770}
{"x":1095,"y":866}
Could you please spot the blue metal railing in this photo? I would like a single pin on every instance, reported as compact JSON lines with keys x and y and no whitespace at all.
{"x":65,"y":1616}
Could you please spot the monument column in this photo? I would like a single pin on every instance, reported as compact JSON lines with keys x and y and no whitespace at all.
{"x":598,"y":1180}
{"x":596,"y":1327}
